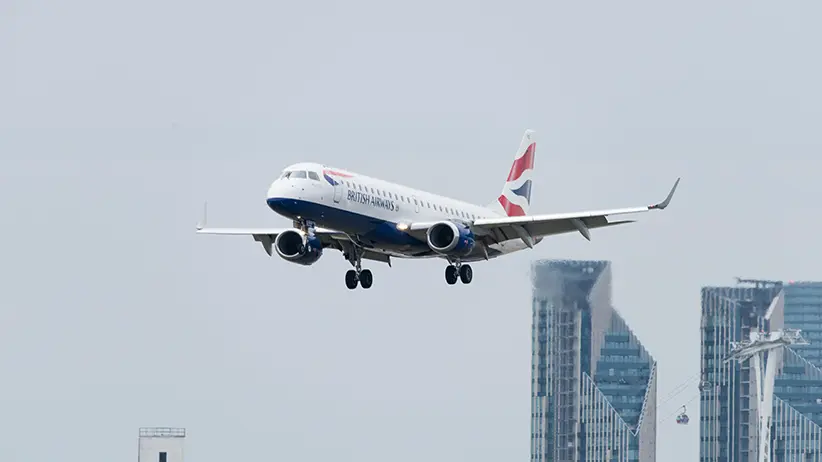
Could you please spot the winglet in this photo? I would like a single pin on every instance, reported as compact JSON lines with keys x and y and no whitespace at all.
{"x":202,"y":223}
{"x":667,"y":201}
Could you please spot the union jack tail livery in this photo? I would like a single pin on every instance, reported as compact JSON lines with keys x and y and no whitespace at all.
{"x":515,"y":198}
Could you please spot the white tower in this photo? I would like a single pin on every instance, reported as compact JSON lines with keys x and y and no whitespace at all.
{"x":161,"y":444}
{"x":765,"y":348}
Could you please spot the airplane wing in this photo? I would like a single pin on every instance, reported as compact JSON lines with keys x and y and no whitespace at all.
{"x":330,"y":238}
{"x":531,"y":227}
{"x":266,"y":236}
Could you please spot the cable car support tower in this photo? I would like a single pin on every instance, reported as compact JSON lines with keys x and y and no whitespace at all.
{"x":765,"y":349}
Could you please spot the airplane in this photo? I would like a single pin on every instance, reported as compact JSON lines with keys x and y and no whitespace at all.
{"x":367,"y":218}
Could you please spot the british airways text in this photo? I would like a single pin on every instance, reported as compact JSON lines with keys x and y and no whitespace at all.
{"x":374,"y":201}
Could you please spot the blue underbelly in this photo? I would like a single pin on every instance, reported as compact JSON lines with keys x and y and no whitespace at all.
{"x":371,"y":231}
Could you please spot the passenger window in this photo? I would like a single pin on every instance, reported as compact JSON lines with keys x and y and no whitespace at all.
{"x":313,"y":176}
{"x":384,"y":194}
{"x":415,"y":202}
{"x":359,"y":187}
{"x":347,"y":183}
{"x":300,"y":174}
{"x":372,"y":190}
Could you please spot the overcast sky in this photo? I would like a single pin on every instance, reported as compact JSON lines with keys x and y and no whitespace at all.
{"x":117,"y":120}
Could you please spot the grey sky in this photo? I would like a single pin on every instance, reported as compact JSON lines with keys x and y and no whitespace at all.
{"x":118,"y":120}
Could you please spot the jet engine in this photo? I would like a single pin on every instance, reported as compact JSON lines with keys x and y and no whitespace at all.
{"x":298,"y":247}
{"x":449,"y":238}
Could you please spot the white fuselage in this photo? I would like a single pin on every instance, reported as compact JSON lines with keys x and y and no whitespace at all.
{"x":370,"y":208}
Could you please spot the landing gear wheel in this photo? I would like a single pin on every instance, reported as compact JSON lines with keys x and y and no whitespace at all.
{"x":466,"y":274}
{"x":366,"y":279}
{"x":351,"y":279}
{"x":451,"y":274}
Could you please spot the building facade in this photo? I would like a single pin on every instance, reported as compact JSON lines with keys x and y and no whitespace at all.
{"x":728,"y":415}
{"x":803,"y":310}
{"x":727,"y":425}
{"x":161,"y":444}
{"x":593,"y":388}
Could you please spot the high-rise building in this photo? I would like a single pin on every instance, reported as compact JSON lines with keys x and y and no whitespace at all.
{"x":728,"y":422}
{"x":803,"y":310}
{"x":727,"y":425}
{"x":593,"y":387}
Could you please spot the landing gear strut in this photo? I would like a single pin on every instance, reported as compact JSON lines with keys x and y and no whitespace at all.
{"x":457,"y":270}
{"x":304,"y":225}
{"x":357,"y":275}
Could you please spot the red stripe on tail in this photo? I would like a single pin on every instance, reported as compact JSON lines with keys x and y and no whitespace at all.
{"x":523,"y":163}
{"x":511,"y":209}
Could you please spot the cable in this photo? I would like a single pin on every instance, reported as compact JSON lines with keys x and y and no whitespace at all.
{"x":678,"y":389}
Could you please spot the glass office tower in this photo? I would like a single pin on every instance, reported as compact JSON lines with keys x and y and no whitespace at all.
{"x":728,"y":430}
{"x":803,"y":310}
{"x":593,"y":387}
{"x":727,"y":425}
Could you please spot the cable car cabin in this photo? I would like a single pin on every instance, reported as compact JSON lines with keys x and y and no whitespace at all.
{"x":682,"y":418}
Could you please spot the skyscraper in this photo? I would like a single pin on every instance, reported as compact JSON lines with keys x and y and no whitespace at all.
{"x":728,"y":315}
{"x":728,"y":430}
{"x":593,"y":387}
{"x":803,"y":310}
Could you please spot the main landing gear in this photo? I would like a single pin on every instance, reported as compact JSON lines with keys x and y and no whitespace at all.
{"x":355,"y":276}
{"x":459,"y":271}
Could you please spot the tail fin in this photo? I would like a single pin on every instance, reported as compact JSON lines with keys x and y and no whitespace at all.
{"x":515,"y":198}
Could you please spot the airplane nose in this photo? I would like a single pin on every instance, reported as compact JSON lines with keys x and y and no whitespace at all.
{"x":278,"y":190}
{"x":282,"y":198}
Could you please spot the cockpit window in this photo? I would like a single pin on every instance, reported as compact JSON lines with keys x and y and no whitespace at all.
{"x":285,"y":174}
{"x":299,"y":174}
{"x":314,"y":176}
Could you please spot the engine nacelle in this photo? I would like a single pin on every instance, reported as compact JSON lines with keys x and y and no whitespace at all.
{"x":449,"y":238}
{"x":298,"y":247}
